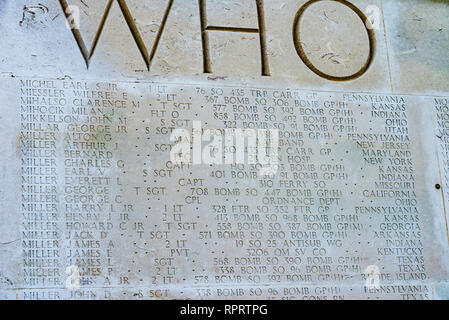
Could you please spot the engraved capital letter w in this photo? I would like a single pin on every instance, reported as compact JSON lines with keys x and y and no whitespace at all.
{"x":87,"y":54}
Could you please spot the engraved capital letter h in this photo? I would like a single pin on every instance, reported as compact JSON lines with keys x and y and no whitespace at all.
{"x":260,"y":30}
{"x":87,"y":54}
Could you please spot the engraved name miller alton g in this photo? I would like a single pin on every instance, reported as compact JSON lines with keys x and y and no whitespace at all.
{"x":261,"y":30}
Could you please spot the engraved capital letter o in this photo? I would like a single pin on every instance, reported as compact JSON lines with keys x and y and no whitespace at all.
{"x":306,"y":60}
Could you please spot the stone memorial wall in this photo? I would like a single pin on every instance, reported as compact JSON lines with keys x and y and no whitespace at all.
{"x":218,"y":149}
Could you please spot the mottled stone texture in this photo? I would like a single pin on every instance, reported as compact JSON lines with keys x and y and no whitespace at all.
{"x":355,"y":95}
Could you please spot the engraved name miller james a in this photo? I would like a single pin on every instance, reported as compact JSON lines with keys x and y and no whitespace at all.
{"x":221,"y":149}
